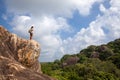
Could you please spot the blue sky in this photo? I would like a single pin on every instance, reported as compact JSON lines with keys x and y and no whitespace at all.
{"x":62,"y":27}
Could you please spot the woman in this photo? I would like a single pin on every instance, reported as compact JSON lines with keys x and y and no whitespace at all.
{"x":31,"y":32}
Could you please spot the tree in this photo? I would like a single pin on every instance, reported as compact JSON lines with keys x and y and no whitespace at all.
{"x":88,"y":51}
{"x":82,"y":58}
{"x":116,"y":60}
{"x":65,"y":57}
{"x":104,"y":52}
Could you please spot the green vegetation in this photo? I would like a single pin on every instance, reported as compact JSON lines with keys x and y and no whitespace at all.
{"x":93,"y":63}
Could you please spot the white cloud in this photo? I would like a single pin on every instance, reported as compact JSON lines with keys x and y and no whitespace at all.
{"x":84,"y":6}
{"x":104,"y":29}
{"x":115,"y":3}
{"x":20,"y":25}
{"x":115,"y":6}
{"x":86,"y":36}
{"x":49,"y":19}
{"x":102,"y":8}
{"x":50,"y":7}
{"x":46,"y":31}
{"x":40,"y":7}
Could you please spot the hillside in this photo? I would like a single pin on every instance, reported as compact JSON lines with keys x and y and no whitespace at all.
{"x":19,"y":58}
{"x":93,"y":63}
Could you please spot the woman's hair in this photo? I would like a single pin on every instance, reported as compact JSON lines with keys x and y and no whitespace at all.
{"x":31,"y":26}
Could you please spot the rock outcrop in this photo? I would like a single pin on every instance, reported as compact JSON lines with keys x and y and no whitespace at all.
{"x":19,"y":58}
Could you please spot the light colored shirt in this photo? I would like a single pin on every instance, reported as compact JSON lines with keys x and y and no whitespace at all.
{"x":31,"y":30}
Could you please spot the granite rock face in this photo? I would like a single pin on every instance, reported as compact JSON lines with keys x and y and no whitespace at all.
{"x":19,"y":58}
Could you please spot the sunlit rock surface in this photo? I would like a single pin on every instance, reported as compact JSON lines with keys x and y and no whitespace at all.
{"x":19,"y":58}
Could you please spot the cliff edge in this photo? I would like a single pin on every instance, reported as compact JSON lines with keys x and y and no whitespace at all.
{"x":19,"y":58}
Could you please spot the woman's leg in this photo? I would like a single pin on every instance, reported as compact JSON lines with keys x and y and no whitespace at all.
{"x":31,"y":35}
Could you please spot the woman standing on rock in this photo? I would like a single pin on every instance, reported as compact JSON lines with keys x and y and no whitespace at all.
{"x":31,"y":32}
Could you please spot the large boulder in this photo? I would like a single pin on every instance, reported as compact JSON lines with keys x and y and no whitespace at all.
{"x":19,"y":58}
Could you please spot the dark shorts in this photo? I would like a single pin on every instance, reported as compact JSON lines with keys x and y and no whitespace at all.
{"x":31,"y":34}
